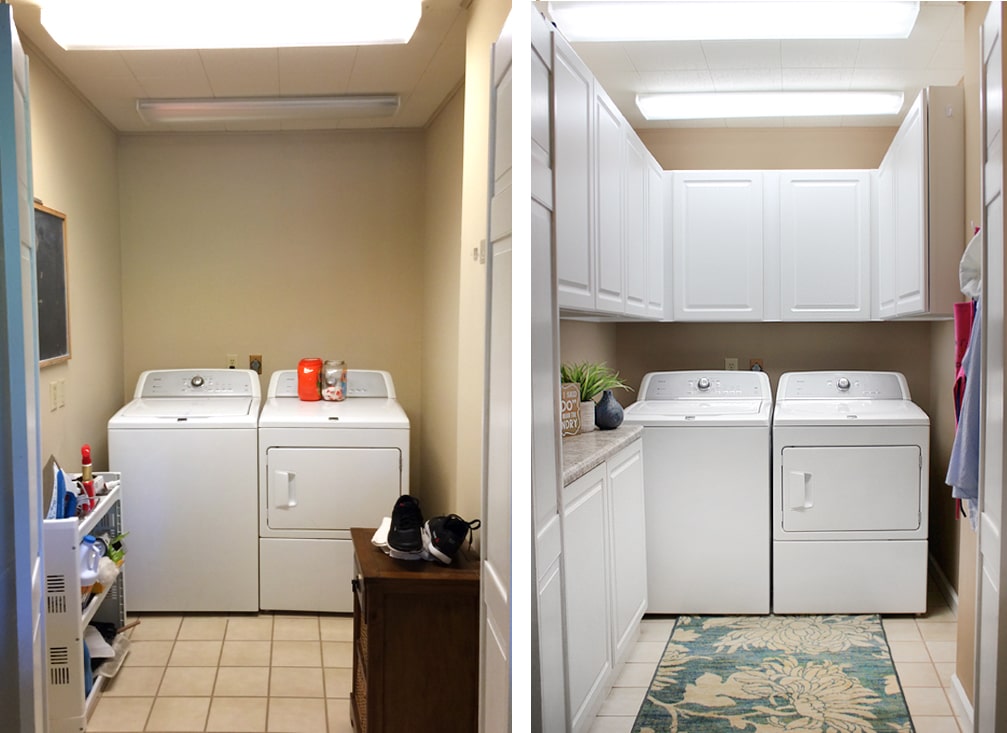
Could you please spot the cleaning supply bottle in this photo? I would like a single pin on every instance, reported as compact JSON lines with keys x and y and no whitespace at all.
{"x":86,"y":479}
{"x":89,"y":556}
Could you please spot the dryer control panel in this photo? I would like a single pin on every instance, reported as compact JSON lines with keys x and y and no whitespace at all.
{"x":843,"y":386}
{"x":198,"y":383}
{"x":711,"y":385}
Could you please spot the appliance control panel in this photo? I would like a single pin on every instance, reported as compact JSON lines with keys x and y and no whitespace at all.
{"x":359,"y":383}
{"x":711,"y":385}
{"x":843,"y":386}
{"x":198,"y":383}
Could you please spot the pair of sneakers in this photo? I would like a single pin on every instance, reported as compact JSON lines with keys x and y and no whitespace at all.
{"x":410,"y":538}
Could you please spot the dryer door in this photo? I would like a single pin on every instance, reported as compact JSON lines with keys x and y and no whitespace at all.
{"x":331,"y":488}
{"x":850,"y":489}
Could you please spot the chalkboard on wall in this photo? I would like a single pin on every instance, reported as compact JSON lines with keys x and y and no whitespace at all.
{"x":51,"y":274}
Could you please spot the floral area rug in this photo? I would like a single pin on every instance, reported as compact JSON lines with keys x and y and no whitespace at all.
{"x":798,"y":674}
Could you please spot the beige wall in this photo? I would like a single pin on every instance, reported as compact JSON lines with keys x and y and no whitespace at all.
{"x":485,"y":23}
{"x":443,"y":184}
{"x":286,"y":245}
{"x":74,"y":170}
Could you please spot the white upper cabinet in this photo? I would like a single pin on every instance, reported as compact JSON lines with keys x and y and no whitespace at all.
{"x":824,"y":223}
{"x":717,"y":245}
{"x":656,"y":256}
{"x":573,"y":87}
{"x":921,"y":231}
{"x":608,"y":176}
{"x":635,"y":244}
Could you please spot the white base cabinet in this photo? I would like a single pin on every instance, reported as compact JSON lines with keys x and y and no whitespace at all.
{"x":605,"y":577}
{"x":66,"y":617}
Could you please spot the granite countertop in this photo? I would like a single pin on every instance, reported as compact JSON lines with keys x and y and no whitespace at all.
{"x":584,"y":451}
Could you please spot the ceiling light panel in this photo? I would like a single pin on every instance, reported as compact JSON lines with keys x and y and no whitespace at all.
{"x":691,"y":20}
{"x":699,"y":106}
{"x":155,"y":111}
{"x":205,"y":24}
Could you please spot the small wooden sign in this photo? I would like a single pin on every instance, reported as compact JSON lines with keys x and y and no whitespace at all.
{"x":569,"y":408}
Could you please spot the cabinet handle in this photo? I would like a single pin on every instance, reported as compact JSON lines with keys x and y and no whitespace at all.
{"x":355,"y":584}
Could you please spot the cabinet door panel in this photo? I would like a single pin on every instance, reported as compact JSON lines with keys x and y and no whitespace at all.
{"x":629,"y":546}
{"x":574,"y":102}
{"x":885,"y":262}
{"x":910,"y":210}
{"x":717,"y":245}
{"x":655,"y":240}
{"x":825,"y":245}
{"x":611,"y":295}
{"x":634,"y":215}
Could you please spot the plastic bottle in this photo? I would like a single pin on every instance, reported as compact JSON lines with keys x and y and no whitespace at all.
{"x":86,"y":478}
{"x":89,"y":556}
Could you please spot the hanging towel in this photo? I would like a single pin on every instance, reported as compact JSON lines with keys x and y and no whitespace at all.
{"x":964,"y":314}
{"x":963,"y":468}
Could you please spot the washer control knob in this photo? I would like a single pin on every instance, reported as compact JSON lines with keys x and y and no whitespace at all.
{"x":196,"y":381}
{"x":703,"y":383}
{"x":843,"y":384}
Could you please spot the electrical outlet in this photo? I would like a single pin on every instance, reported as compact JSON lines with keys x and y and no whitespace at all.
{"x":755,"y":365}
{"x":53,"y":399}
{"x":232,"y":361}
{"x":731,"y":364}
{"x":255,"y":363}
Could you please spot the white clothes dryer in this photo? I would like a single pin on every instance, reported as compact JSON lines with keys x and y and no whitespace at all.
{"x":324,"y":467}
{"x":706,"y":490}
{"x":186,"y":448}
{"x":850,"y":494}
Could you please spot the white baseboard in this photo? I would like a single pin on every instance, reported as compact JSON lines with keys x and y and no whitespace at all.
{"x":960,"y":703}
{"x":943,"y":585}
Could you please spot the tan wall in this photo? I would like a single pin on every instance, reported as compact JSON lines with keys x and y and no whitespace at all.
{"x":74,"y":170}
{"x":285,"y":245}
{"x":443,"y":184}
{"x":584,"y":341}
{"x":757,"y":148}
{"x":485,"y":23}
{"x":968,"y":552}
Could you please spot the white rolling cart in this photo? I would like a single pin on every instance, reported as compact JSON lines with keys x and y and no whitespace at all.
{"x":66,"y":619}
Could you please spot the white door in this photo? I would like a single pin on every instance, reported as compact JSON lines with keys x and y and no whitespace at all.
{"x":991,"y":677}
{"x":495,"y":578}
{"x":22,"y":705}
{"x":717,"y":245}
{"x":825,"y":245}
{"x":548,"y":680}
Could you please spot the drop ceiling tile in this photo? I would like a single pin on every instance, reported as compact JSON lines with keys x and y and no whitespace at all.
{"x":949,"y":55}
{"x":683,"y":80}
{"x":379,"y":69}
{"x":163,"y":63}
{"x":628,"y":80}
{"x":176,"y":86}
{"x":242,"y":72}
{"x":753,"y":79}
{"x":315,"y":70}
{"x":654,"y":56}
{"x":612,"y":56}
{"x":874,"y":120}
{"x":726,"y":54}
{"x":939,"y":20}
{"x":875,"y":78}
{"x":816,"y":78}
{"x":818,"y":54}
{"x":896,"y":54}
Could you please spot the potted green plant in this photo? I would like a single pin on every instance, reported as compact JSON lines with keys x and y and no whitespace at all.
{"x":592,"y":379}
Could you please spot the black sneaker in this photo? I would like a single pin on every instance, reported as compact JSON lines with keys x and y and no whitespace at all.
{"x":442,"y":536}
{"x":407,"y":521}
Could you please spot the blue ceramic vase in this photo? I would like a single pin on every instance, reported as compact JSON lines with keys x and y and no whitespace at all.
{"x":608,"y":412}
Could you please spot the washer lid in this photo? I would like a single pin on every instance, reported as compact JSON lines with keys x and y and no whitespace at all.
{"x":373,"y":412}
{"x":699,"y":412}
{"x":850,"y":413}
{"x":192,"y":412}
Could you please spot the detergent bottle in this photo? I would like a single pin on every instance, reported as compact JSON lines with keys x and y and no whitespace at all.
{"x":89,"y":555}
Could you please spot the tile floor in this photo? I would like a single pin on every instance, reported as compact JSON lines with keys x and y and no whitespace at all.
{"x":240,"y":674}
{"x":923,"y":648}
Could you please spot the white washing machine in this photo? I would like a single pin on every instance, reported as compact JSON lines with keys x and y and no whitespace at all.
{"x":186,"y":446}
{"x":850,"y":494}
{"x":324,"y":467}
{"x":706,"y":490}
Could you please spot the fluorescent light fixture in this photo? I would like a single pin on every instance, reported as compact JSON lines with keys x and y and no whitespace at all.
{"x":198,"y":24}
{"x":235,"y":109}
{"x":700,"y":20}
{"x":713,"y":105}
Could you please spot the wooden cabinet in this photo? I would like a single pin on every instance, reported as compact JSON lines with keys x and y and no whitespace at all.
{"x":717,"y":245}
{"x":604,"y":576}
{"x":415,"y":642}
{"x":824,"y":220}
{"x":921,"y":233}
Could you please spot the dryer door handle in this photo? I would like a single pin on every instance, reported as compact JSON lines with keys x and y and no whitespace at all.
{"x":285,"y":494}
{"x":800,"y":490}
